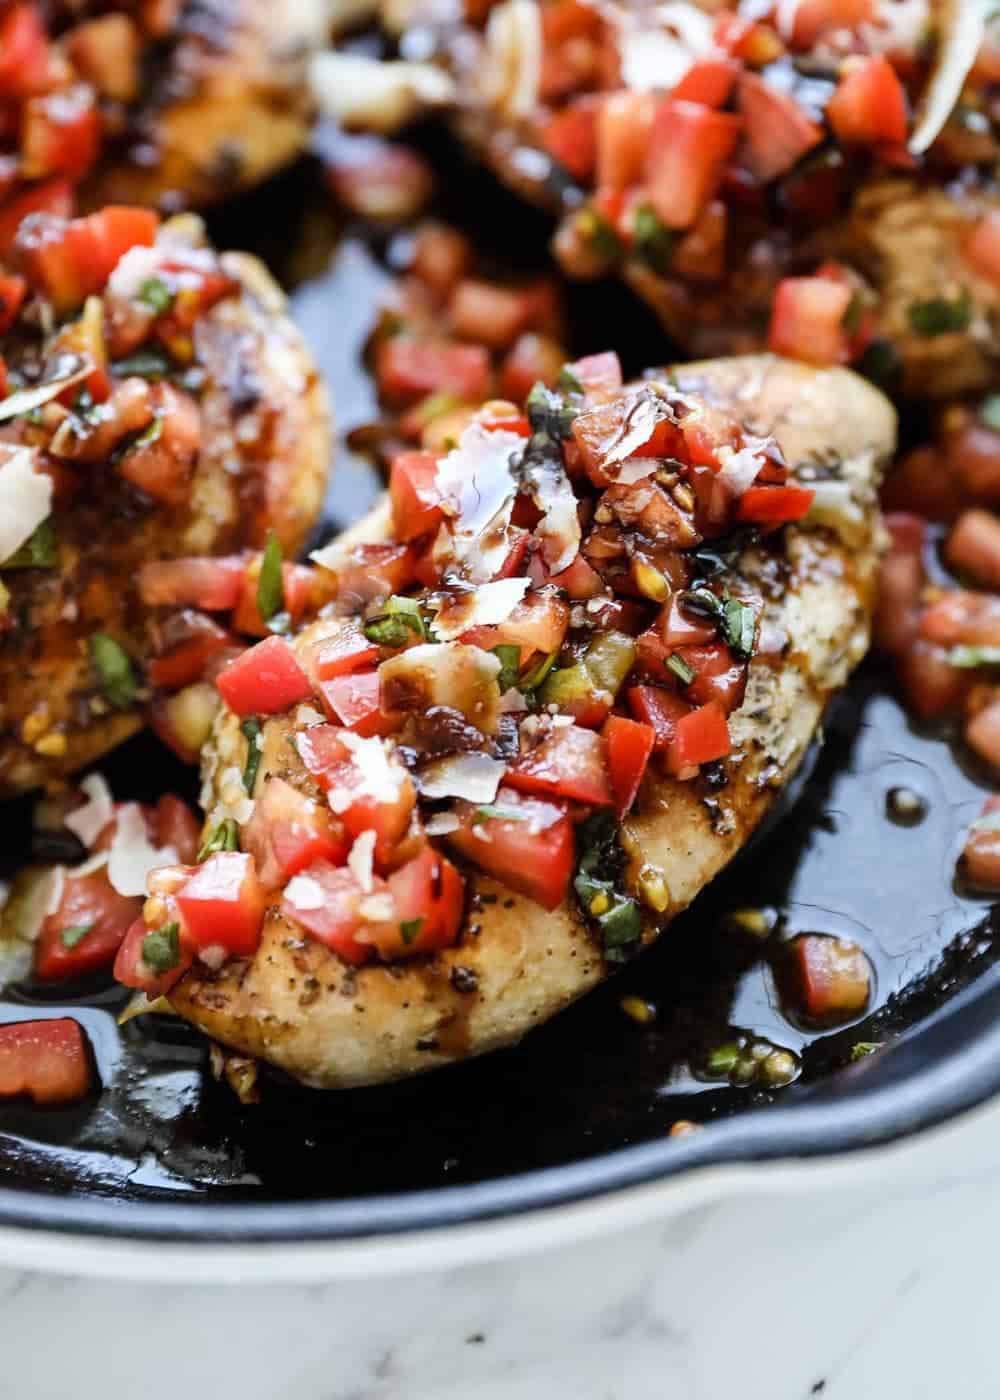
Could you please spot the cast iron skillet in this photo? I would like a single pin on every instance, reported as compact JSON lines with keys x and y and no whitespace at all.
{"x":585,"y":1104}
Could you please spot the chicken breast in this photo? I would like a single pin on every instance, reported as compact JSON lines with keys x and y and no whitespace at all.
{"x":298,"y":1005}
{"x":169,"y":105}
{"x":707,"y":160}
{"x":177,"y":414}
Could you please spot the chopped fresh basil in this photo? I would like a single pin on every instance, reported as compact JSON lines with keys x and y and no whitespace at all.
{"x":225,"y":837}
{"x":509,"y":657}
{"x":568,"y":383}
{"x":722,"y":1060}
{"x":880,"y":362}
{"x":851,"y":319}
{"x":599,"y":868}
{"x":250,"y":729}
{"x":940,"y":316}
{"x":38,"y":552}
{"x":494,"y":812}
{"x":968,"y":657}
{"x":654,"y":242}
{"x":989,"y":411}
{"x":537,"y":674}
{"x":149,"y":435}
{"x":702,"y":602}
{"x":270,"y":584}
{"x":410,"y":928}
{"x":114,"y":669}
{"x":161,"y":949}
{"x":600,"y":233}
{"x":76,"y":933}
{"x":678,"y":667}
{"x":395,"y":626}
{"x":863,"y":1048}
{"x":739,"y":626}
{"x":621,"y":924}
{"x":550,"y":412}
{"x":146,"y":364}
{"x":155,"y":294}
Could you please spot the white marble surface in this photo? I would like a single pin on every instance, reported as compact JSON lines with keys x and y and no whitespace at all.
{"x":873,"y":1278}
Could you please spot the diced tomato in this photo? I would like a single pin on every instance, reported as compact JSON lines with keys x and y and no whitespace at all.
{"x":680,"y":628}
{"x":774,"y":505}
{"x":578,"y":580}
{"x":982,"y":246}
{"x":348,"y":650}
{"x":570,"y":137}
{"x":538,"y":623}
{"x":212,"y":584}
{"x":659,"y":709}
{"x":830,"y":978}
{"x":409,"y":369}
{"x":296,"y":585}
{"x":185,"y":662}
{"x":813,"y":17}
{"x":177,"y":826}
{"x":901,"y":578}
{"x":513,"y":564}
{"x":337,"y":919}
{"x":570,"y":763}
{"x":717,"y":675}
{"x":981,"y":856}
{"x":265,"y":680}
{"x":377,"y":570}
{"x":132,"y":969}
{"x":869,"y":105}
{"x":982,"y":733}
{"x":427,"y":895}
{"x":699,"y":737}
{"x":688,"y":147}
{"x":107,"y":52}
{"x":629,"y":745}
{"x":335,"y":766}
{"x":12,"y":290}
{"x":963,"y":618}
{"x":67,"y":261}
{"x":973,"y":547}
{"x":598,"y":373}
{"x":60,"y":134}
{"x":807,"y":320}
{"x":24,"y":53}
{"x":353,"y":701}
{"x":924,"y":481}
{"x":88,"y":902}
{"x":53,"y":197}
{"x":533,"y":854}
{"x":532,"y":359}
{"x":441,"y":256}
{"x":488,"y":314}
{"x":972,"y":456}
{"x":46,"y":1061}
{"x":414,"y":493}
{"x":622,"y":133}
{"x":708,"y":81}
{"x":289,"y":831}
{"x":223,"y":903}
{"x":931,"y":685}
{"x":778,"y":133}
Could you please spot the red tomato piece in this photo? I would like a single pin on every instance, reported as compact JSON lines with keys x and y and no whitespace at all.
{"x":51,"y":197}
{"x":699,"y":737}
{"x":708,"y":81}
{"x":353,"y":700}
{"x":570,"y":763}
{"x":69,"y":261}
{"x":629,"y":745}
{"x":296,"y":587}
{"x":12,"y":290}
{"x":814,"y":17}
{"x":659,"y":709}
{"x":60,"y":133}
{"x":807,"y":320}
{"x":410,"y":369}
{"x":488,"y":314}
{"x":24,"y":53}
{"x":717,"y":675}
{"x":622,"y":134}
{"x":963,"y":618}
{"x":212,"y":584}
{"x":981,"y":856}
{"x":177,"y":826}
{"x":533,"y":855}
{"x":223,"y":903}
{"x":376,"y":570}
{"x":689,"y":146}
{"x":901,"y":579}
{"x":931,"y":686}
{"x":326,"y":902}
{"x":570,"y":137}
{"x":340,"y":769}
{"x":778,"y":132}
{"x":414,"y":494}
{"x":830,"y":978}
{"x":982,"y":733}
{"x":680,"y":628}
{"x":265,"y":680}
{"x":869,"y":105}
{"x":289,"y":831}
{"x":774,"y":505}
{"x":132,"y":969}
{"x":428,"y":899}
{"x":46,"y":1061}
{"x":348,"y":650}
{"x":89,"y":902}
{"x":973,"y":547}
{"x":982,"y":246}
{"x":532,"y":359}
{"x":186,"y":661}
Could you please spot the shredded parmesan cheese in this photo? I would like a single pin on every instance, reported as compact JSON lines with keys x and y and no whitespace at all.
{"x":305,"y":893}
{"x":88,"y":821}
{"x":490,"y":604}
{"x":472,"y":776}
{"x":361,"y":860}
{"x":25,"y":500}
{"x":132,"y":856}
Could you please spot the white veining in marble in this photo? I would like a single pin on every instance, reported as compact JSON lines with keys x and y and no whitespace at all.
{"x":857,"y":1285}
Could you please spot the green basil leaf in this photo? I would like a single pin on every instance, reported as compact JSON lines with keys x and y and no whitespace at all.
{"x":225,"y":837}
{"x":410,"y":928}
{"x":250,"y":729}
{"x":38,"y":552}
{"x":270,"y":584}
{"x":509,"y":657}
{"x":114,"y":669}
{"x":969,"y":657}
{"x":155,"y":294}
{"x":568,"y":383}
{"x":146,"y":364}
{"x":940,"y":316}
{"x":76,"y":933}
{"x":739,"y":626}
{"x":537,"y":674}
{"x":680,"y":668}
{"x":497,"y":813}
{"x":549,"y":412}
{"x":161,"y":949}
{"x":654,"y":242}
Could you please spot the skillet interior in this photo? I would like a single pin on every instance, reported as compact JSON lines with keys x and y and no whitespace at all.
{"x":164,"y":1136}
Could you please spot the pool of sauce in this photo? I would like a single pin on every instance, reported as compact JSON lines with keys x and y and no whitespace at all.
{"x":844,"y":855}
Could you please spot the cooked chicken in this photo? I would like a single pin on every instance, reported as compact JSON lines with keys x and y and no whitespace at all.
{"x":170,"y":105}
{"x":178,"y":414}
{"x":722,"y":164}
{"x":797,"y":598}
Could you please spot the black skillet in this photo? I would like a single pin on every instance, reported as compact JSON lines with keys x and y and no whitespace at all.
{"x":585,"y":1104}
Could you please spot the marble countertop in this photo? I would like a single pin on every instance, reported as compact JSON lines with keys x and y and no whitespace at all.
{"x":865,"y":1278}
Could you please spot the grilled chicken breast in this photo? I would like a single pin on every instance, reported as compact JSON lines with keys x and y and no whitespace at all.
{"x":297,"y":1004}
{"x":193,"y":421}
